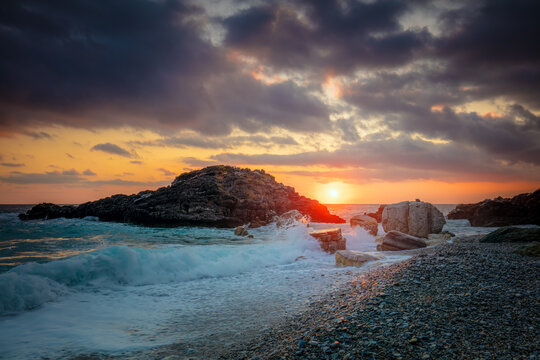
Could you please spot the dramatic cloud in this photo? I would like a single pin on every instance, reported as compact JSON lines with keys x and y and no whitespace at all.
{"x":370,"y":90}
{"x":112,"y":149}
{"x":12,"y":164}
{"x":140,"y":63}
{"x":326,"y":34}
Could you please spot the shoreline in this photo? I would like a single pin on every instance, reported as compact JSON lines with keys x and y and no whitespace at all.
{"x":463,"y":300}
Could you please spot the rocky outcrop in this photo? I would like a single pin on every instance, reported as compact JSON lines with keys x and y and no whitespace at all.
{"x":330,"y":240}
{"x":366,"y":222}
{"x":519,"y":210}
{"x":395,"y":240}
{"x":512,"y":234}
{"x":221,"y":196}
{"x":377,"y":215}
{"x":416,"y":218}
{"x":354,"y":258}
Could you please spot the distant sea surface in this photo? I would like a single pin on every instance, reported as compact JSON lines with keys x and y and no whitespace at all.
{"x":80,"y":286}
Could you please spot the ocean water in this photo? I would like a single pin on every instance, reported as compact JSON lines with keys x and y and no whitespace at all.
{"x":80,"y":286}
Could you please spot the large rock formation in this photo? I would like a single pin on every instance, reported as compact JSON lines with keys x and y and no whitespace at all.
{"x":415,"y":218}
{"x":366,"y":222}
{"x":519,"y":210}
{"x":221,"y":196}
{"x":395,"y":240}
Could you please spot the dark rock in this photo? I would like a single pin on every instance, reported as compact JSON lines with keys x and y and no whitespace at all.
{"x":377,"y":215}
{"x":532,"y":249}
{"x":222,"y":196}
{"x":395,"y":240}
{"x":512,"y":234}
{"x":519,"y":210}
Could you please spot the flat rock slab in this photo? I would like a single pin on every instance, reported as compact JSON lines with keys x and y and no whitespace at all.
{"x":354,"y":258}
{"x":330,"y":240}
{"x":395,"y":241}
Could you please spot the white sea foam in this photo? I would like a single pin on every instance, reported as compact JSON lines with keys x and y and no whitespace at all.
{"x":30,"y":285}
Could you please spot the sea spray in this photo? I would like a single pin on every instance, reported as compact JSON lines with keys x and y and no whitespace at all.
{"x":32,"y":284}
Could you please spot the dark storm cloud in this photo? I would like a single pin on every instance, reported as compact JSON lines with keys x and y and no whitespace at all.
{"x":142,"y":63}
{"x":330,"y":35}
{"x":112,"y":149}
{"x":194,"y":140}
{"x":493,"y":46}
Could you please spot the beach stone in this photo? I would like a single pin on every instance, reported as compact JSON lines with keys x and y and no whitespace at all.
{"x":330,"y":240}
{"x":366,"y":222}
{"x":395,"y":240}
{"x":512,"y":234}
{"x":416,"y":218}
{"x":354,"y":258}
{"x":241,"y":231}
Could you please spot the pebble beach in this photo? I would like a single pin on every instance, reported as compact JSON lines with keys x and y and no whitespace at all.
{"x":460,"y":300}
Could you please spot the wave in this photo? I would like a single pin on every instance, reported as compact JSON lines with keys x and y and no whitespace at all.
{"x":32,"y":284}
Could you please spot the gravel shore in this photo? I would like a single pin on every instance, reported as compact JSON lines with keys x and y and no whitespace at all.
{"x":464,"y":300}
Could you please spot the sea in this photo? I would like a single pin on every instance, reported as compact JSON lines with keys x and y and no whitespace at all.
{"x":75,"y":287}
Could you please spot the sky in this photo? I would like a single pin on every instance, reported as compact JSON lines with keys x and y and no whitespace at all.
{"x":347,"y":101}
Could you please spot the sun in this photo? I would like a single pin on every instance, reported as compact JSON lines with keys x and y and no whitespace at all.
{"x":333,"y":193}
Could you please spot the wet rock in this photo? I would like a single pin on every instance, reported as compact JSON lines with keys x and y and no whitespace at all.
{"x":366,"y":222}
{"x":354,"y":258}
{"x":330,"y":240}
{"x":416,"y":218}
{"x":512,"y":234}
{"x":519,"y":210}
{"x":395,"y":240}
{"x":290,"y":218}
{"x":241,"y":231}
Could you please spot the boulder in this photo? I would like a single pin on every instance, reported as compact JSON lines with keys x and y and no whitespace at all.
{"x":416,"y":218}
{"x":330,"y":240}
{"x":395,"y":240}
{"x":519,"y":210}
{"x":377,"y":215}
{"x":512,"y":234}
{"x":366,"y":222}
{"x":221,"y":196}
{"x":354,"y":258}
